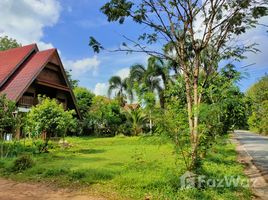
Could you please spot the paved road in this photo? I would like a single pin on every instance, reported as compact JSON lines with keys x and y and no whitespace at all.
{"x":257,"y":147}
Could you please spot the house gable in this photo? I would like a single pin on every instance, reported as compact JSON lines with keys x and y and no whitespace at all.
{"x":40,"y":72}
{"x":10,"y":63}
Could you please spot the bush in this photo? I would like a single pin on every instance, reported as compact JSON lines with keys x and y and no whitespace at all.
{"x":258,"y":96}
{"x":8,"y":122}
{"x":105,"y":116}
{"x":48,"y":117}
{"x":13,"y":149}
{"x":22,"y":163}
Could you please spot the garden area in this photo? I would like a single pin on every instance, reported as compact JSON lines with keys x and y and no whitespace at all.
{"x":163,"y":131}
{"x":125,"y":168}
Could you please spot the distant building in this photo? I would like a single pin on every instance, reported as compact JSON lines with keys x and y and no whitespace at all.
{"x":134,"y":106}
{"x":26,"y":72}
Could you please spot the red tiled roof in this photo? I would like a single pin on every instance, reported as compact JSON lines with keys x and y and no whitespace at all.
{"x":23,"y":77}
{"x":19,"y":67}
{"x":11,"y":59}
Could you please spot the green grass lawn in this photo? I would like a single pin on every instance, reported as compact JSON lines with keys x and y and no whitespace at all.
{"x":130,"y":168}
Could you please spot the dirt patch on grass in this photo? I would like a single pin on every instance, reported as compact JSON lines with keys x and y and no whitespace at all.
{"x":11,"y":190}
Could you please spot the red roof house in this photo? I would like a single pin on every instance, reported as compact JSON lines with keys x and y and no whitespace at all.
{"x":26,"y":72}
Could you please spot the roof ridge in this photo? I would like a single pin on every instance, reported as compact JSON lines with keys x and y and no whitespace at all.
{"x":21,"y":47}
{"x":12,"y":59}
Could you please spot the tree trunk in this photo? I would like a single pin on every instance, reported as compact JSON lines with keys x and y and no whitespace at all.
{"x":162,"y":99}
{"x":196,"y":106}
{"x":151,"y":123}
{"x":192,"y":108}
{"x":189,"y":105}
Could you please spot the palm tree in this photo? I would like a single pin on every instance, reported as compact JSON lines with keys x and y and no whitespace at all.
{"x":154,"y":78}
{"x":158,"y":68}
{"x":121,"y":86}
{"x":137,"y":120}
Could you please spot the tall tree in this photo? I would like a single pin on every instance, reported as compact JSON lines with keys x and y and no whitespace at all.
{"x":258,"y":96}
{"x":73,"y":82}
{"x":154,"y":78}
{"x":8,"y":43}
{"x":84,"y":99}
{"x":176,"y":23}
{"x":121,"y":88}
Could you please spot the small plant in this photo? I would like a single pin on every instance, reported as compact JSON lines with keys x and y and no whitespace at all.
{"x":77,"y":175}
{"x":22,"y":163}
{"x":56,"y":172}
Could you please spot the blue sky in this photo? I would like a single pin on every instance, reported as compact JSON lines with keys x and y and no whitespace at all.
{"x":67,"y":25}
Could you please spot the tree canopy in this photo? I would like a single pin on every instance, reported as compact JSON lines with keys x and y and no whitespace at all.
{"x":8,"y":43}
{"x":196,"y":36}
{"x":258,"y":98}
{"x":7,"y":119}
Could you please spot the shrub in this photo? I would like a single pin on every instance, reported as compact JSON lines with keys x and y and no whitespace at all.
{"x":105,"y":116}
{"x":50,"y":118}
{"x":8,"y":122}
{"x":258,"y":96}
{"x":22,"y":163}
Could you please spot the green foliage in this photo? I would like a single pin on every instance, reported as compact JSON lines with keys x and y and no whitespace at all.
{"x":149,"y":80}
{"x":95,"y":45}
{"x":223,"y":93}
{"x":84,"y":99}
{"x":73,"y":82}
{"x":136,"y":119}
{"x":50,"y":118}
{"x":190,"y":55}
{"x":8,"y":122}
{"x":105,"y":116}
{"x":55,"y":172}
{"x":22,"y":163}
{"x":117,"y":10}
{"x":122,"y":89}
{"x":14,"y":149}
{"x":223,"y":109}
{"x":131,"y":168}
{"x":77,"y":175}
{"x":8,"y":43}
{"x":258,"y":97}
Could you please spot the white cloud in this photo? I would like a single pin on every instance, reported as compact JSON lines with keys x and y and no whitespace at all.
{"x":123,"y":73}
{"x":44,"y":46}
{"x":259,"y":36}
{"x":25,"y":20}
{"x":83,"y":66}
{"x":101,"y":89}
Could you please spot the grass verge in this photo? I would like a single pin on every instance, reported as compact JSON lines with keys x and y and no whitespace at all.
{"x":131,"y":168}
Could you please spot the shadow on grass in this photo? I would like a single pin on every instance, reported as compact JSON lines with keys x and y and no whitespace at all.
{"x":64,"y":174}
{"x":115,"y":164}
{"x":217,"y":160}
{"x":90,"y":151}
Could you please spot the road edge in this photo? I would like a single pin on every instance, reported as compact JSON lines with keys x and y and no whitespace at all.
{"x":258,"y":183}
